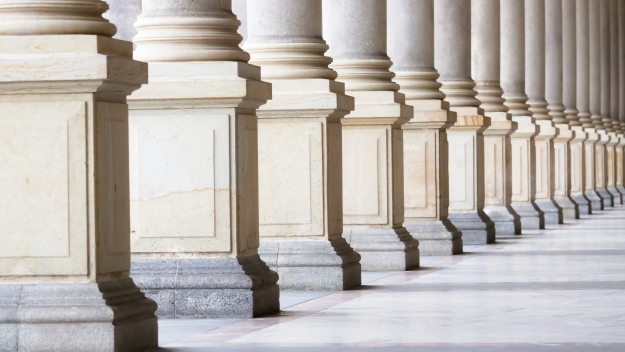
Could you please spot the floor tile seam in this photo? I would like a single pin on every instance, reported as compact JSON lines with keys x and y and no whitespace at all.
{"x":412,"y":344}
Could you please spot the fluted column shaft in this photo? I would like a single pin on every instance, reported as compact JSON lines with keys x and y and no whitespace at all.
{"x":426,"y":199}
{"x":620,"y":152}
{"x":373,"y":192}
{"x":523,"y":175}
{"x":605,"y":63}
{"x":485,"y":68}
{"x":535,"y":61}
{"x":65,"y":252}
{"x":194,"y":124}
{"x":554,"y":95}
{"x":452,"y":56}
{"x":615,"y":141}
{"x":299,"y":136}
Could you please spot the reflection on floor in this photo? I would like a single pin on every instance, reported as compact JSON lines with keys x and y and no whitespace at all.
{"x":561,"y":289}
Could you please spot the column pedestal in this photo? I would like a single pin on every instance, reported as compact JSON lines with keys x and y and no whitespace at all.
{"x":620,"y":182}
{"x":523,"y":171}
{"x":611,"y":168}
{"x":300,"y":185}
{"x":578,"y":168}
{"x":562,"y":174}
{"x":545,"y":173}
{"x":497,"y":177}
{"x":64,"y":282}
{"x":601,"y":169}
{"x":373,"y":182}
{"x":466,"y":175}
{"x":194,"y":194}
{"x":426,"y":178}
{"x":590,"y":146}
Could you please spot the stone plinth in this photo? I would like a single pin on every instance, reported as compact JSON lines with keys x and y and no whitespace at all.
{"x":64,"y":189}
{"x":611,"y":166}
{"x":562,"y":171}
{"x":578,"y":169}
{"x":545,"y":173}
{"x":601,"y":169}
{"x":595,"y":201}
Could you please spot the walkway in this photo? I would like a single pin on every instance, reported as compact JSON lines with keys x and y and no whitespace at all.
{"x":554,"y":290}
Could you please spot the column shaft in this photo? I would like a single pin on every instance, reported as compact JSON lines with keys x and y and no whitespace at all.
{"x":194,"y":165}
{"x":615,"y":137}
{"x":452,"y":48}
{"x":64,"y":280}
{"x":373,"y":192}
{"x":426,"y":199}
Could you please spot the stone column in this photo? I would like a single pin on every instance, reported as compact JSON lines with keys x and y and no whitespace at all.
{"x":553,"y":95}
{"x":452,"y":48}
{"x":620,"y":152}
{"x":426,"y":178}
{"x":535,"y":90}
{"x":299,"y":148}
{"x":485,"y":70}
{"x":613,"y":163}
{"x":523,"y":168}
{"x":64,"y":229}
{"x":373,"y":187}
{"x":194,"y":165}
{"x":594,"y":37}
{"x":569,"y":98}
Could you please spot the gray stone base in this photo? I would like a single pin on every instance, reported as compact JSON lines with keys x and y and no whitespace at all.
{"x":583,"y":205}
{"x":569,"y":208}
{"x":621,"y":190}
{"x":436,"y":237}
{"x":312,"y":265}
{"x":109,"y":316}
{"x":476,"y":228}
{"x":552,"y":214}
{"x":531,"y":217}
{"x":208,"y":287}
{"x":507,"y":222}
{"x":616,"y":196}
{"x":596,"y":202}
{"x":608,"y":200}
{"x":384,"y":249}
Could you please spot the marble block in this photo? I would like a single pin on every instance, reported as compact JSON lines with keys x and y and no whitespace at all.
{"x":611,"y":166}
{"x":601,"y":169}
{"x":436,"y":237}
{"x":562,"y":172}
{"x":208,"y":287}
{"x":578,"y":166}
{"x":384,"y":249}
{"x":545,"y":173}
{"x":595,"y":202}
{"x":313,"y":265}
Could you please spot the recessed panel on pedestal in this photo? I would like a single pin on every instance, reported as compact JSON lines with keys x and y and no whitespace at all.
{"x":291,"y":178}
{"x":560,"y":169}
{"x":590,"y":166}
{"x":461,"y":171}
{"x":43,"y":188}
{"x":493,"y":170}
{"x":180,"y":182}
{"x":610,"y":166}
{"x":420,"y":186}
{"x":520,"y":172}
{"x":576,"y":168}
{"x":542,"y":169}
{"x":599,"y":166}
{"x":365,"y":175}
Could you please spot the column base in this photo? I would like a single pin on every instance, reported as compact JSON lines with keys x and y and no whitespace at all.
{"x":552,"y":214}
{"x":596,"y":202}
{"x":312,"y":265}
{"x":108,"y":316}
{"x":507,"y":224}
{"x":476,"y":228}
{"x":208,"y":287}
{"x":608,"y":200}
{"x":436,"y":237}
{"x":621,"y":190}
{"x":616,"y":196}
{"x":384,"y":249}
{"x":531,"y":217}
{"x":569,"y":208}
{"x":583,"y":204}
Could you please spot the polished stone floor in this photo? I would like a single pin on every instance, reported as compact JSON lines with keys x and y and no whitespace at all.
{"x":560,"y":289}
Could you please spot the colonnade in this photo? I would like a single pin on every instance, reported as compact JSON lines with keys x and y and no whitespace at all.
{"x":198,"y":175}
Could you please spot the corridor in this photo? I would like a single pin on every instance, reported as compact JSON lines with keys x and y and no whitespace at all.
{"x":560,"y":289}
